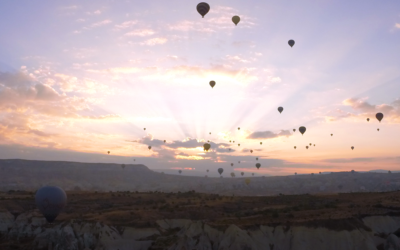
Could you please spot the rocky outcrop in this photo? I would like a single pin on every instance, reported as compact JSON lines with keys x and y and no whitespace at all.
{"x":178,"y":234}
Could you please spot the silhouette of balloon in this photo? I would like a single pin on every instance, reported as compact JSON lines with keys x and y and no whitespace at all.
{"x":50,"y":202}
{"x":108,"y":152}
{"x":258,"y":165}
{"x":206,"y":146}
{"x":203,"y":8}
{"x":291,"y":43}
{"x":280,"y":109}
{"x":302,"y":130}
{"x":212,"y":84}
{"x":231,"y":164}
{"x":180,"y":171}
{"x":379,"y":116}
{"x":220,"y":170}
{"x":235,"y":20}
{"x":149,"y":147}
{"x":367,"y":119}
{"x":251,"y":151}
{"x":352,"y":148}
{"x":294,"y":147}
{"x":306,"y":147}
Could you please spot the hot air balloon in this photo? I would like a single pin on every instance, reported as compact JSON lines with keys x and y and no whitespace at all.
{"x":238,"y":128}
{"x":108,"y":152}
{"x":50,"y":202}
{"x":212,"y":84}
{"x":231,"y":164}
{"x":331,"y":134}
{"x":149,"y":147}
{"x":291,"y":43}
{"x":144,"y":128}
{"x":134,"y":159}
{"x":378,"y":129}
{"x":220,"y":170}
{"x":203,"y":8}
{"x":379,"y":116}
{"x":247,"y":181}
{"x":310,"y":144}
{"x":208,"y":141}
{"x":180,"y":171}
{"x":238,"y":145}
{"x":294,"y":147}
{"x":314,"y":145}
{"x":238,"y":161}
{"x":280,"y":109}
{"x":233,"y":174}
{"x":294,"y":130}
{"x":306,"y":147}
{"x":230,"y":141}
{"x":257,"y":159}
{"x":258,"y":165}
{"x":302,"y":130}
{"x":233,"y":141}
{"x":229,"y":149}
{"x":242,"y":173}
{"x":252,"y":174}
{"x":260,"y":142}
{"x":295,"y":173}
{"x":251,"y":151}
{"x":206,"y":146}
{"x":210,"y":133}
{"x":352,"y":147}
{"x":367,"y":119}
{"x":235,"y":20}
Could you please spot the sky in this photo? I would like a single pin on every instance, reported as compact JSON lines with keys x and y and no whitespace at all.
{"x":81,"y":78}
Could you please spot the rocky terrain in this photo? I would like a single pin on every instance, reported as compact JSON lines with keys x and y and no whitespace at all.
{"x":154,"y":220}
{"x":30,"y":175}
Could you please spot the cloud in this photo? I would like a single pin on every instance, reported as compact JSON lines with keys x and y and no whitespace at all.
{"x":155,"y":41}
{"x":268,"y":134}
{"x":101,"y":23}
{"x":350,"y":160}
{"x":125,"y":25}
{"x":140,"y":32}
{"x":363,"y":109}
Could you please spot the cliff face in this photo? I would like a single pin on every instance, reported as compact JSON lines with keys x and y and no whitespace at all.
{"x":378,"y":232}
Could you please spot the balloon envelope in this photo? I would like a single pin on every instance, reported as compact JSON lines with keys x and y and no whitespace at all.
{"x":291,"y":43}
{"x":149,"y":147}
{"x":212,"y":84}
{"x":280,"y":109}
{"x":235,"y":20}
{"x":220,"y":170}
{"x":203,"y":8}
{"x":258,"y":165}
{"x":302,"y":129}
{"x":206,"y":146}
{"x":379,"y":116}
{"x":50,"y":202}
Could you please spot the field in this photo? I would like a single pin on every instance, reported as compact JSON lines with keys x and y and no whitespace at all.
{"x":135,"y":209}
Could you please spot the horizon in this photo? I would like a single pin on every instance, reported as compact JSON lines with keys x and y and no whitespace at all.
{"x":82,"y":79}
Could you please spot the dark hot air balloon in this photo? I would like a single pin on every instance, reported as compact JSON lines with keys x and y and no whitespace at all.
{"x":257,"y":159}
{"x":294,"y":147}
{"x":302,"y":130}
{"x":149,"y":147}
{"x":367,"y":119}
{"x":291,"y":43}
{"x":50,"y":202}
{"x":235,"y":20}
{"x":231,"y":164}
{"x":220,"y":170}
{"x":144,"y":128}
{"x":180,"y":171}
{"x":165,"y":141}
{"x":294,"y":130}
{"x":352,"y":148}
{"x":238,"y":161}
{"x":306,"y":147}
{"x":238,"y":128}
{"x":108,"y":152}
{"x":207,"y":170}
{"x":378,"y":129}
{"x":212,"y":84}
{"x":242,"y":173}
{"x":239,"y":145}
{"x":280,"y":109}
{"x":260,"y":143}
{"x":203,"y":8}
{"x":251,"y":151}
{"x":252,"y":174}
{"x":258,"y":165}
{"x":206,"y":146}
{"x":331,"y":134}
{"x":379,"y":116}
